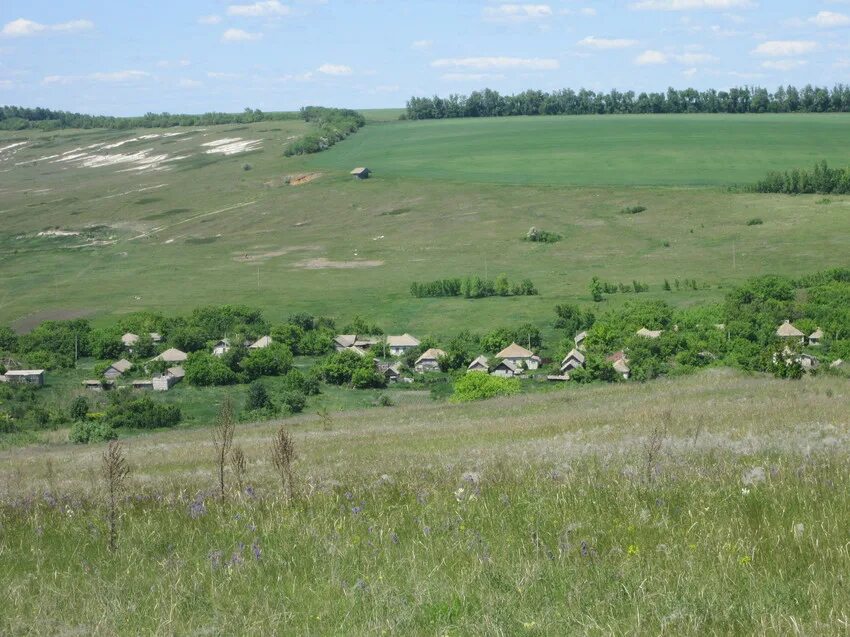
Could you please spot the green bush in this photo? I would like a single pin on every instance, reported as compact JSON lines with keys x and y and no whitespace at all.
{"x":294,"y":401}
{"x":537,"y":235}
{"x":79,"y":408}
{"x":86,"y":431}
{"x":141,"y":413}
{"x":755,"y":221}
{"x":633,"y":210}
{"x":480,"y":386}
{"x":203,"y":369}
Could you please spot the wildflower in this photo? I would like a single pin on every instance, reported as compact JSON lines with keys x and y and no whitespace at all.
{"x":215,"y":558}
{"x":459,"y":494}
{"x":799,"y":529}
{"x":745,"y":491}
{"x":349,"y":496}
{"x":585,"y":551}
{"x":236,"y":559}
{"x":249,"y":491}
{"x":197,"y":509}
{"x":505,"y":500}
{"x":356,"y":510}
{"x":361,"y":585}
{"x":633,"y":550}
{"x":394,"y":537}
{"x":471,"y":477}
{"x":529,"y":625}
{"x":744,"y":560}
{"x":426,"y":530}
{"x":753,"y":476}
{"x":257,"y":551}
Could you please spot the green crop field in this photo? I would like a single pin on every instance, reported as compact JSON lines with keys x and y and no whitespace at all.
{"x":714,"y":504}
{"x":175,"y":226}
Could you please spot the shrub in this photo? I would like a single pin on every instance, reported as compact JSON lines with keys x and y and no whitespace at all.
{"x":633,"y":210}
{"x":274,"y":360}
{"x":86,"y":431}
{"x":755,"y":221}
{"x":294,"y":401}
{"x":385,"y":401}
{"x":541,"y":236}
{"x":141,"y":413}
{"x":258,"y":397}
{"x":480,"y":386}
{"x":79,"y":408}
{"x":203,"y":369}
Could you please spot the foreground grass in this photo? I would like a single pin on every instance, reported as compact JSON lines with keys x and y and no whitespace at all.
{"x":539,"y":515}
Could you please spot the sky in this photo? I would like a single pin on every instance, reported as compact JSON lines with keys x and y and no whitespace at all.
{"x":192,"y":56}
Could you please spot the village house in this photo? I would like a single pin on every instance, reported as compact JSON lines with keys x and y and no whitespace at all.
{"x":506,"y":369}
{"x":390,"y":371}
{"x":480,"y":364}
{"x":25,"y":377}
{"x":519,"y":356}
{"x":816,"y":337}
{"x":156,"y":337}
{"x":361,"y":172}
{"x":117,"y":369}
{"x":98,"y":385}
{"x":172,"y":355}
{"x":129,"y":339}
{"x":645,"y":333}
{"x":573,"y":360}
{"x":164,"y":382}
{"x":261,"y":343}
{"x":429,"y":361}
{"x":579,"y":340}
{"x":808,"y":362}
{"x":344,"y":341}
{"x":143,"y":384}
{"x":221,"y":348}
{"x":400,"y":345}
{"x":620,"y":364}
{"x":787,"y":330}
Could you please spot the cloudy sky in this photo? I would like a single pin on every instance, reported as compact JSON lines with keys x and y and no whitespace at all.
{"x":128,"y":58}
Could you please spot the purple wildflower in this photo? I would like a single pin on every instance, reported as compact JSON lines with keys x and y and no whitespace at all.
{"x":394,"y":537}
{"x":249,"y":491}
{"x":236,"y":559}
{"x":256,"y":550}
{"x":356,"y":510}
{"x":215,"y":559}
{"x":197,"y":509}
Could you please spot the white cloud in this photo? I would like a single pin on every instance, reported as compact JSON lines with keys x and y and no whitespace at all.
{"x":689,"y":5}
{"x":22,"y":28}
{"x":785,"y":48}
{"x":689,"y":72}
{"x":689,"y":59}
{"x":238,"y":35}
{"x":606,"y":43}
{"x":830,"y":19}
{"x":209,"y":19}
{"x":108,"y":77}
{"x":505,"y":63}
{"x":517,"y":12}
{"x":651,"y":57}
{"x":783,"y":65}
{"x":167,"y":64}
{"x":218,"y":75}
{"x":471,"y":77}
{"x":421,"y":44}
{"x":259,"y":9}
{"x":334,"y":69}
{"x":187,"y":83}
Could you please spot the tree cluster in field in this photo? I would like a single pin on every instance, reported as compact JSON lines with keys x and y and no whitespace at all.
{"x":22,"y":118}
{"x":537,"y":235}
{"x":598,"y":288}
{"x":473,"y":287}
{"x":740,"y":332}
{"x":489,"y":103}
{"x":821,"y":180}
{"x":633,"y":210}
{"x":333,"y":124}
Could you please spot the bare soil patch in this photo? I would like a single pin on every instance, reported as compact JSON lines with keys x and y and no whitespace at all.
{"x":326,"y":264}
{"x":28,"y":323}
{"x":300,"y":180}
{"x":247,"y":257}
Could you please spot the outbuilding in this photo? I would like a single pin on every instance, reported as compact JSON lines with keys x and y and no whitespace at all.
{"x":117,"y":369}
{"x":400,"y":345}
{"x":172,"y":355}
{"x":573,"y":360}
{"x":506,"y":369}
{"x":480,"y":364}
{"x":816,"y":337}
{"x":429,"y":361}
{"x":787,"y":330}
{"x":261,"y":343}
{"x":520,"y":356}
{"x":361,"y":172}
{"x":25,"y":377}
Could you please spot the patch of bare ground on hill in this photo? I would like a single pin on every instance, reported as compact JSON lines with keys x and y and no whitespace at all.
{"x":248,"y":257}
{"x":327,"y":264}
{"x":28,"y":323}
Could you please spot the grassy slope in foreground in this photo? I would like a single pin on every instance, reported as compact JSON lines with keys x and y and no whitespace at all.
{"x":628,"y":150}
{"x":556,"y":529}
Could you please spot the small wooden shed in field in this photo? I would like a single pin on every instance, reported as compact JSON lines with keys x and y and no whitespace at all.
{"x":361,"y":172}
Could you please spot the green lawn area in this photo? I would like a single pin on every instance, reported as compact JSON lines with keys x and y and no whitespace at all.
{"x":627,"y":150}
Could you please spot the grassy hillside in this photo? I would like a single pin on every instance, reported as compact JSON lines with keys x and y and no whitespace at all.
{"x":197,"y":228}
{"x":629,"y":150}
{"x":531,"y":515}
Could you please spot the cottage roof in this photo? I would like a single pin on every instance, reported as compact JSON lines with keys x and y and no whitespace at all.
{"x":579,"y":338}
{"x":621,"y":367}
{"x":177,"y":371}
{"x":24,"y":372}
{"x":172,"y":355}
{"x":817,"y":334}
{"x":261,"y":343}
{"x":515,"y":351}
{"x":508,"y":364}
{"x":130,"y":339}
{"x":838,"y":362}
{"x":357,"y":350}
{"x":224,"y":341}
{"x":645,"y":333}
{"x":481,"y":361}
{"x":616,"y":356}
{"x":405,"y":340}
{"x":787,"y":330}
{"x":142,"y":382}
{"x":156,"y":337}
{"x":574,"y":354}
{"x":345,"y":340}
{"x":432,"y":354}
{"x":360,"y":170}
{"x":122,"y":366}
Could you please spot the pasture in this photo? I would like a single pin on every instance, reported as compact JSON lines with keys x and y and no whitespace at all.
{"x":609,"y":509}
{"x":176,"y":226}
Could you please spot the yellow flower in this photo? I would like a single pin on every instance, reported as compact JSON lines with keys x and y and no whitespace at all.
{"x":633,"y":549}
{"x":529,"y":625}
{"x":744,"y":560}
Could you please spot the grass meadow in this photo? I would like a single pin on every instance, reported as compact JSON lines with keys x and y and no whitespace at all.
{"x":600,"y":510}
{"x":205,"y":230}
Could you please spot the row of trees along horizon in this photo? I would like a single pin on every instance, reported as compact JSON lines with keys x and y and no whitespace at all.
{"x":746,"y":99}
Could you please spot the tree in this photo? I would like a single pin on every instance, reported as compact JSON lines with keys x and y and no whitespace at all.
{"x":258,"y":397}
{"x":79,"y":408}
{"x":596,"y":289}
{"x":274,"y":360}
{"x":481,"y":386}
{"x":203,"y":369}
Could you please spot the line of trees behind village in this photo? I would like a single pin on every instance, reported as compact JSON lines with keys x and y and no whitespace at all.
{"x":490,"y":103}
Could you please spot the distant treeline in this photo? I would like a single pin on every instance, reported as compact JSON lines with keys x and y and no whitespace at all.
{"x":822,"y":180}
{"x":334,"y":125}
{"x":21,"y":118}
{"x":489,"y":103}
{"x":473,"y":287}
